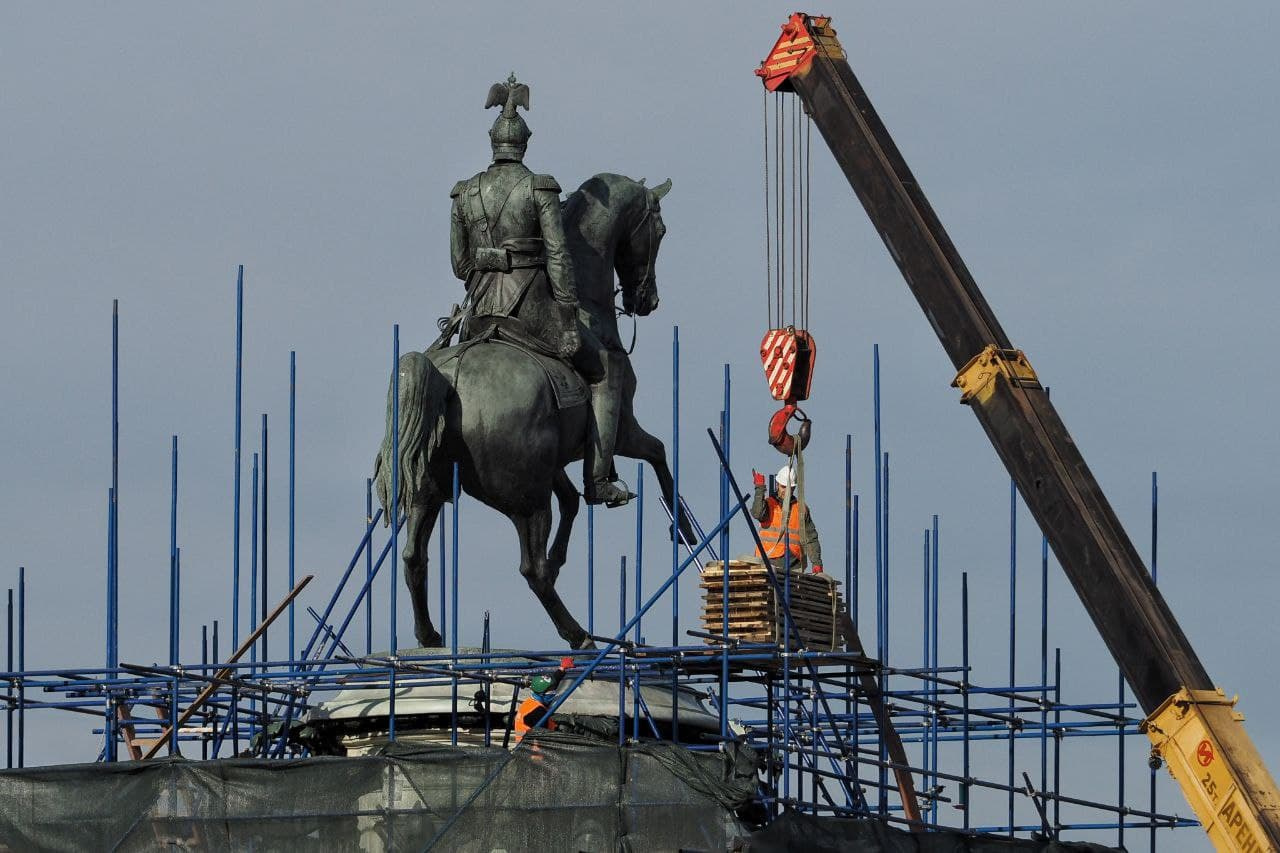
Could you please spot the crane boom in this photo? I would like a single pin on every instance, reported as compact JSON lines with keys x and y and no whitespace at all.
{"x":1191,"y":724}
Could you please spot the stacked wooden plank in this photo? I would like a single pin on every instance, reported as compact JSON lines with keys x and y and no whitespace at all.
{"x":756,"y":611}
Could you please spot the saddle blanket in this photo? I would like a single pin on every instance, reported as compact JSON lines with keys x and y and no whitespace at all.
{"x":568,"y":387}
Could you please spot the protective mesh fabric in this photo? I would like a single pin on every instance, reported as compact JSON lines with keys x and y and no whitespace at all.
{"x":556,"y":792}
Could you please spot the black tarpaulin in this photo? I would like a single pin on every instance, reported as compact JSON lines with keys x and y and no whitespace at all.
{"x":554,"y":793}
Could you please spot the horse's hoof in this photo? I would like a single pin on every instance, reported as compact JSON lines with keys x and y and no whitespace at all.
{"x":584,"y":644}
{"x":431,"y":641}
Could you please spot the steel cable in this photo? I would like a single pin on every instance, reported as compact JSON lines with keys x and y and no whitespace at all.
{"x":768,"y":241}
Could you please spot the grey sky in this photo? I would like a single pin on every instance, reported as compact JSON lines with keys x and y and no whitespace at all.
{"x":1106,"y":170}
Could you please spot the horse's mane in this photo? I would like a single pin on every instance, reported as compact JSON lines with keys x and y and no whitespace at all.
{"x":597,"y":216}
{"x":600,"y":193}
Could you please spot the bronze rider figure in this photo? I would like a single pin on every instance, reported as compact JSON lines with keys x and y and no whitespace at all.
{"x":507,"y":243}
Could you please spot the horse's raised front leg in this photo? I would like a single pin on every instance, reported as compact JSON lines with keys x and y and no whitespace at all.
{"x":418,"y":527}
{"x":568,"y":501}
{"x":635,"y":443}
{"x":534,"y":530}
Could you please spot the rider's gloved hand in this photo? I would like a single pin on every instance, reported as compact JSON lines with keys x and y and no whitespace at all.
{"x":570,"y":340}
{"x":570,"y":343}
{"x":757,"y":478}
{"x":817,"y":570}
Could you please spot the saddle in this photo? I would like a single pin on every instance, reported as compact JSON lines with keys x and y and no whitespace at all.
{"x":569,"y":388}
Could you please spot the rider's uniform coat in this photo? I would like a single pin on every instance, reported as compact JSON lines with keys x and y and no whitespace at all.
{"x":506,"y":231}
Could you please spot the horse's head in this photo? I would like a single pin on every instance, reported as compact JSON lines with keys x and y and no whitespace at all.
{"x":638,"y":250}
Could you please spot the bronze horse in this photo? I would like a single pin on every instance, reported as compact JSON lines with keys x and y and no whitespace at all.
{"x":492,"y":408}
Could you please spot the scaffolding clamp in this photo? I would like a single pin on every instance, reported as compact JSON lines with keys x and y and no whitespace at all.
{"x":1188,"y":731}
{"x":977,"y":378}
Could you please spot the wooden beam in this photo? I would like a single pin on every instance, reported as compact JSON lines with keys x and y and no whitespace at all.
{"x":226,"y":671}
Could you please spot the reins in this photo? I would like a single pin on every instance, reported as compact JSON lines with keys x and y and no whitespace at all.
{"x":647,"y":275}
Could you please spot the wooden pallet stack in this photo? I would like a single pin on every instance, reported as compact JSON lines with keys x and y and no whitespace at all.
{"x":756,"y":607}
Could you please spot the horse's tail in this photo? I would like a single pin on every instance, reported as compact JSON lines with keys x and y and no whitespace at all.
{"x":424,"y":394}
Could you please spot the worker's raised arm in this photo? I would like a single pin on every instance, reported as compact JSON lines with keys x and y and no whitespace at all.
{"x":759,"y":507}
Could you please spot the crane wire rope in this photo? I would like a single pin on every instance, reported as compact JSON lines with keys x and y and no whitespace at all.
{"x":808,"y":217}
{"x":788,"y":218}
{"x":768,"y":232}
{"x":795,"y":219}
{"x":795,"y":187}
{"x":780,"y":210}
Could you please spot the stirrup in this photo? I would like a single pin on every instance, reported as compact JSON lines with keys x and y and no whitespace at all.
{"x":609,"y":494}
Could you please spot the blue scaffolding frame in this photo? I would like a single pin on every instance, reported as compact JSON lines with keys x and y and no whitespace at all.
{"x":803,"y":709}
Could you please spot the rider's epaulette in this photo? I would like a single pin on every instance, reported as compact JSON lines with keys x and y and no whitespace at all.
{"x":546,"y":182}
{"x":458,"y":189}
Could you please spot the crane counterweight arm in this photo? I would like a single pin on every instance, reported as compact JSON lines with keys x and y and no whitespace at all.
{"x":1014,"y":409}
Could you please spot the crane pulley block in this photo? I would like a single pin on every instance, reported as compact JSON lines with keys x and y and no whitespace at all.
{"x":803,"y":38}
{"x":788,"y":355}
{"x":975,"y":378}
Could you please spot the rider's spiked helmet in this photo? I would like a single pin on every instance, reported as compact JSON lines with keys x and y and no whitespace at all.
{"x":509,"y":135}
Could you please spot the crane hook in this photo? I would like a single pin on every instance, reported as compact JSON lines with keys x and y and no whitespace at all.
{"x":780,"y":438}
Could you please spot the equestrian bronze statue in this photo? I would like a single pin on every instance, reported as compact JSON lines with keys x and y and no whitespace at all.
{"x":539,"y":378}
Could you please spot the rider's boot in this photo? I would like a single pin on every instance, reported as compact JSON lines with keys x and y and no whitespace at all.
{"x":610,"y":494}
{"x":589,"y":358}
{"x":606,"y":409}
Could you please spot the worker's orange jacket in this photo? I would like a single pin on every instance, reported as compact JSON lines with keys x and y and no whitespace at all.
{"x":530,"y":707}
{"x":776,"y":537}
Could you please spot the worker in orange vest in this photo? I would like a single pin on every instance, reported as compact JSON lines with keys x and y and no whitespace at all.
{"x":533,"y":709}
{"x":792,"y":540}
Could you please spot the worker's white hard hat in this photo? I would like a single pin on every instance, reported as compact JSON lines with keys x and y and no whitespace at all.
{"x":786,"y":477}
